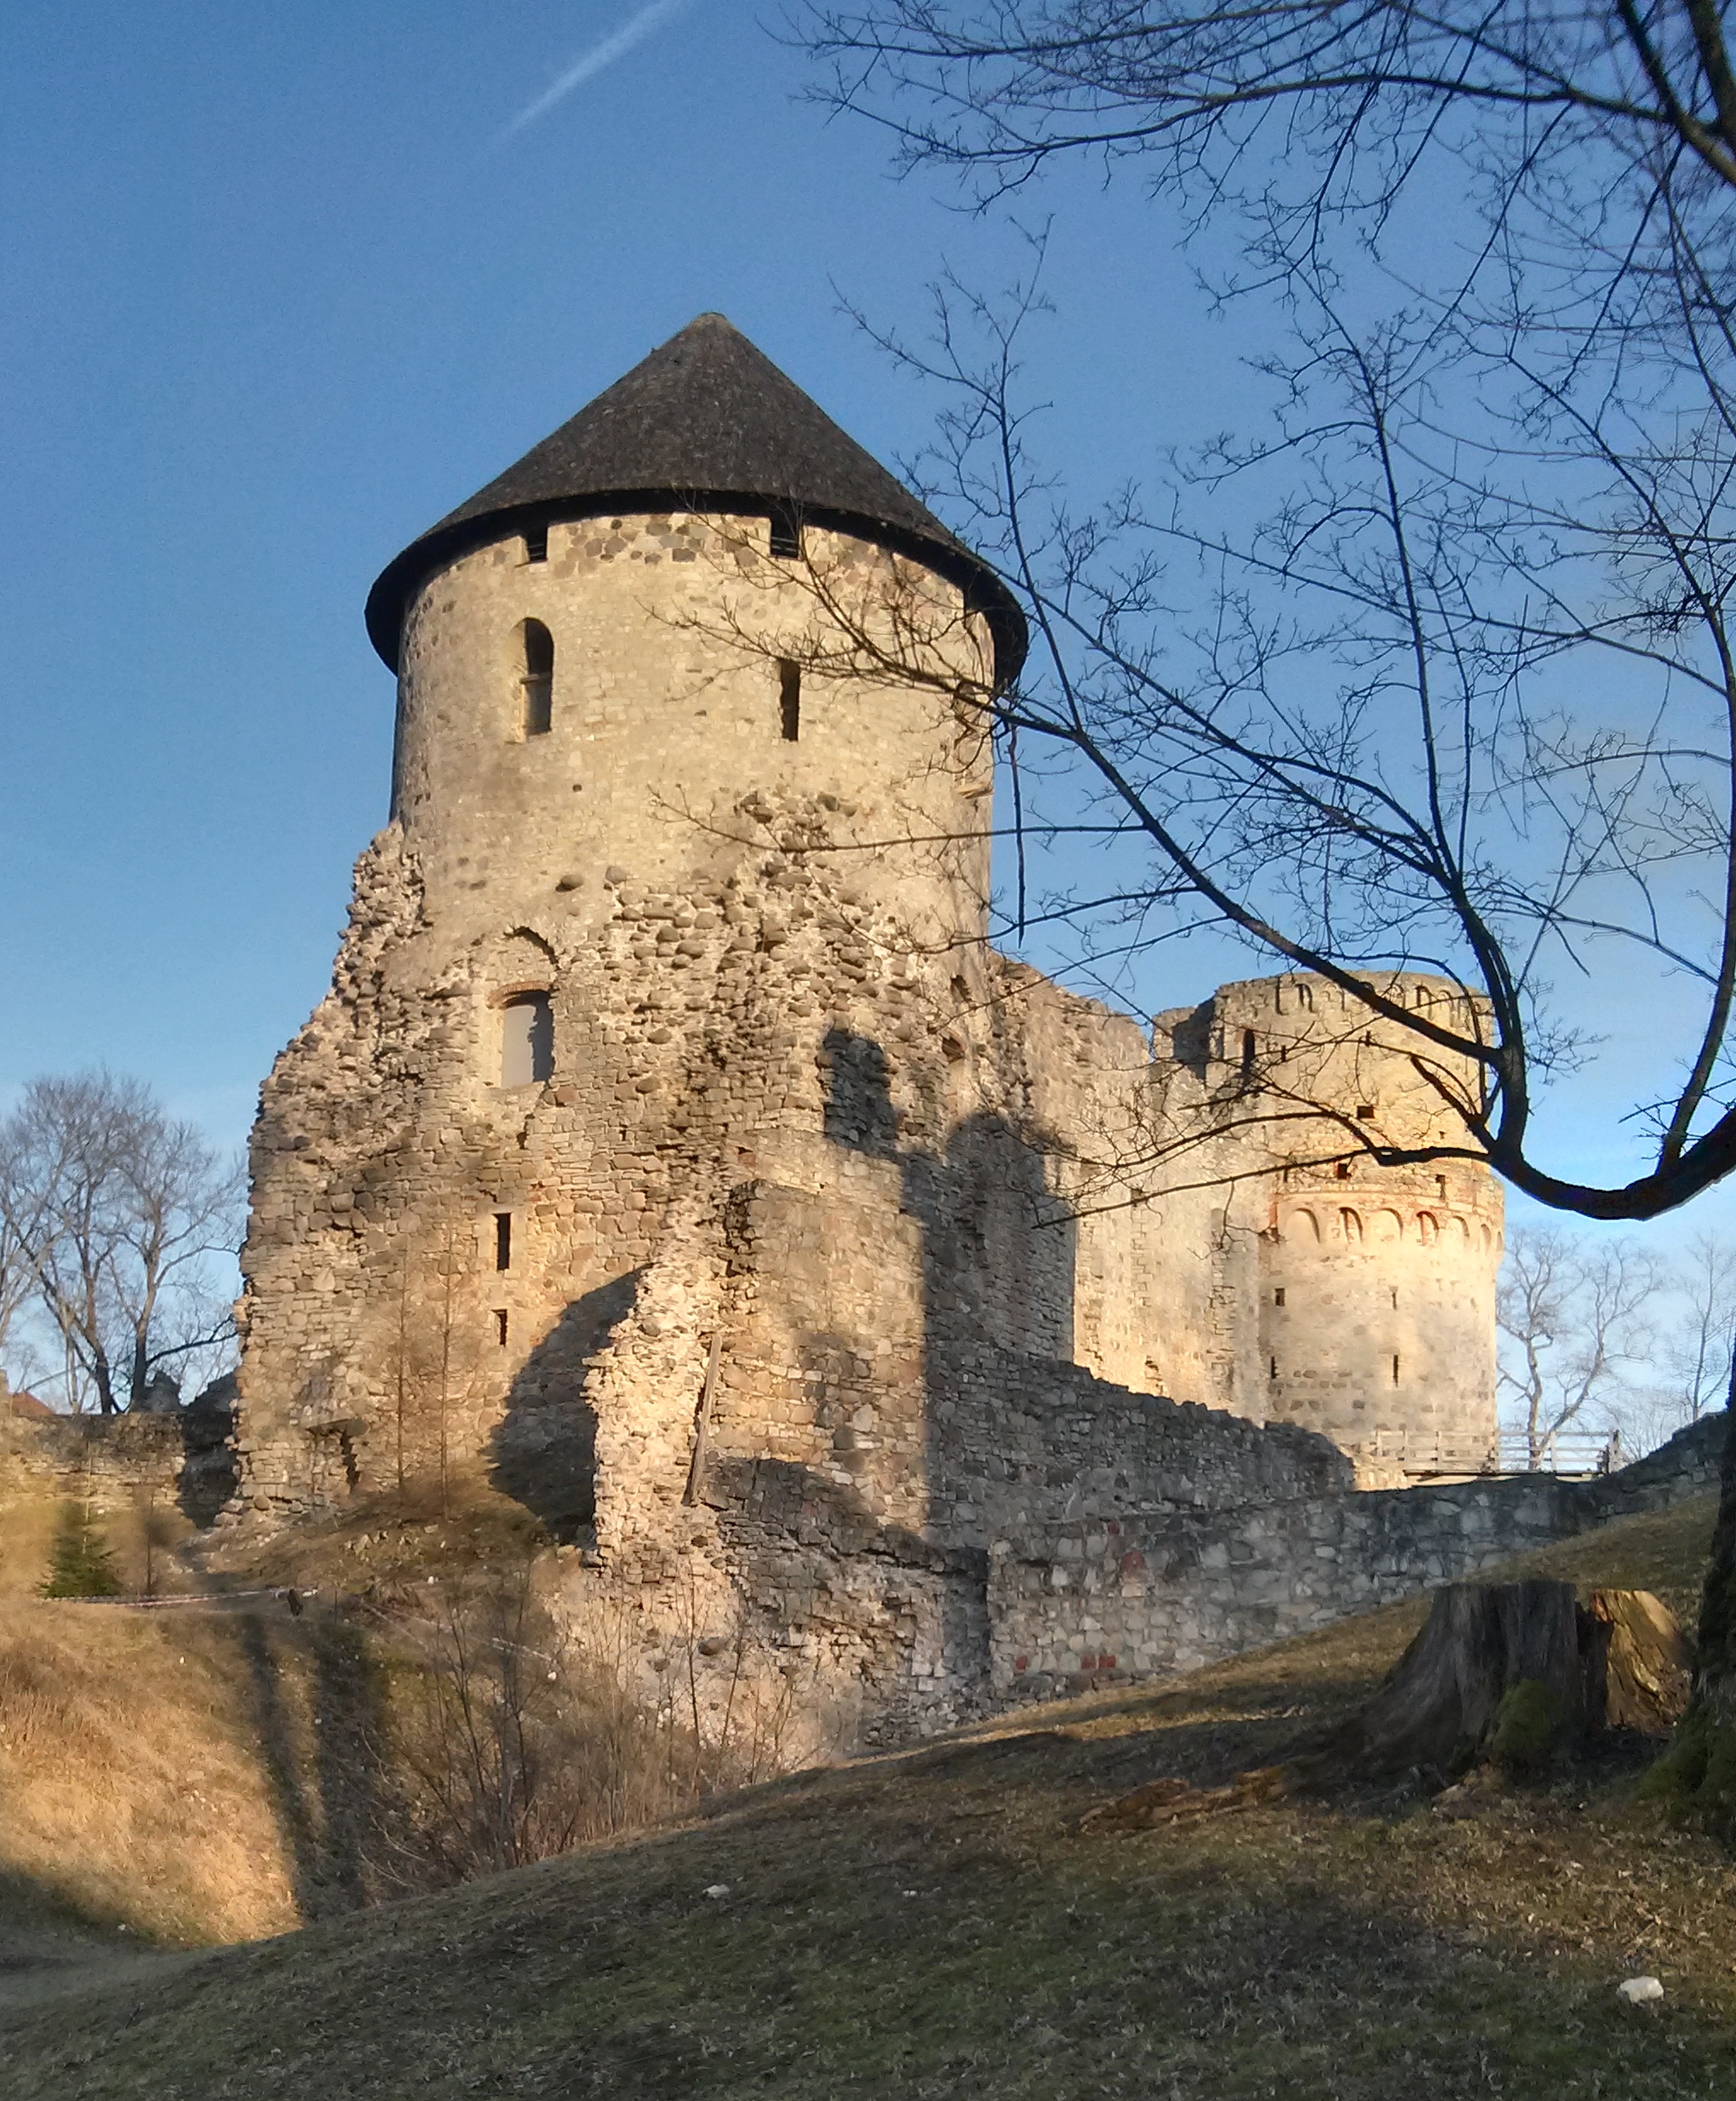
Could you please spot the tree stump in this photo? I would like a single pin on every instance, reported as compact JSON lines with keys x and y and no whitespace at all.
{"x":1513,"y":1672}
{"x":1519,"y":1672}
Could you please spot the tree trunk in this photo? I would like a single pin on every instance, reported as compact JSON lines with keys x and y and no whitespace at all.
{"x":1639,"y":1666}
{"x":1515,"y":1673}
{"x":1698,"y":1775}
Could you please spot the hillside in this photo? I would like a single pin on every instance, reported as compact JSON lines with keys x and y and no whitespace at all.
{"x":935,"y":1924}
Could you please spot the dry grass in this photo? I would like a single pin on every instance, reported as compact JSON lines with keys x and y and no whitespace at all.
{"x":202,"y":1774}
{"x":28,"y":1523}
{"x":130,"y":1792}
{"x":937,"y":1924}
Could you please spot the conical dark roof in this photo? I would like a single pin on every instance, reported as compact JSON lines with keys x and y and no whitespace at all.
{"x":705,"y":423}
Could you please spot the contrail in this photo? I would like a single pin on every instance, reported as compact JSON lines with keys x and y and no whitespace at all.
{"x":633,"y":30}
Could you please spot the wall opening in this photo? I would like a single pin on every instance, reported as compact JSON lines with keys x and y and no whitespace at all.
{"x":536,"y":543}
{"x":1365,"y":1111}
{"x":1278,"y":1296}
{"x":1273,"y":1371}
{"x":1250,"y":1054}
{"x":1343,"y":1170}
{"x":789,"y":698}
{"x":527,"y":1040}
{"x":503,"y":1240}
{"x":1394,"y":1368}
{"x":501,"y":1326}
{"x":786,"y":532}
{"x":537,"y":684}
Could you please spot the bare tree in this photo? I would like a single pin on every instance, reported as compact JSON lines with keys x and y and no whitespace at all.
{"x":1460,"y":692}
{"x":1434,"y":671}
{"x":1574,"y":1315}
{"x":118,"y":1212}
{"x":1701,"y":1347}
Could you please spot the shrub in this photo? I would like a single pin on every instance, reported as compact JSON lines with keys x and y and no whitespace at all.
{"x":80,"y":1563}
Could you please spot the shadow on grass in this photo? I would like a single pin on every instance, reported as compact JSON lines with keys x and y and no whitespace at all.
{"x":316,"y":1710}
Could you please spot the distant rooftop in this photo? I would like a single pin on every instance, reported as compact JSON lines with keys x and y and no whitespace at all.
{"x":706,"y":423}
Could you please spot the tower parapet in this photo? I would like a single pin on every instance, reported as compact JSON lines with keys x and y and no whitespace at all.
{"x":1375,"y":1317}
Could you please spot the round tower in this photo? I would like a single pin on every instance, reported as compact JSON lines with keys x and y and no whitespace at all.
{"x":684,"y":597}
{"x":1361,"y":1299}
{"x":689,"y":815}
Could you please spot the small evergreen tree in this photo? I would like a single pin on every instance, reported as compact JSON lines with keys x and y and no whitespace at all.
{"x":80,"y":1564}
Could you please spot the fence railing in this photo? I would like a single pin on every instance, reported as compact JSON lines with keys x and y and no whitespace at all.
{"x":1425,"y":1453}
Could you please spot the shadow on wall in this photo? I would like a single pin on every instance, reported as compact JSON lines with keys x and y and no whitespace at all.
{"x":208,"y":1474}
{"x":998,"y":1262}
{"x":543,"y":1452}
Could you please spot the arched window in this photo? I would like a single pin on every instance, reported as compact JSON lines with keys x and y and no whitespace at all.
{"x":527,"y":1040}
{"x":537,"y":683}
{"x":1351,"y":1224}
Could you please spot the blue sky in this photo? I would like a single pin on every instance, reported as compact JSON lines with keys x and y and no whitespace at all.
{"x":280,"y":286}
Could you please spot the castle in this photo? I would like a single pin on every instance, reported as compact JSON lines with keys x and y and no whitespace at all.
{"x":673,"y":1146}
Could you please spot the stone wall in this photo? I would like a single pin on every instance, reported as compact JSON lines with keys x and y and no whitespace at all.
{"x":950,"y":1231}
{"x":1091,"y":1600}
{"x":184,"y":1458}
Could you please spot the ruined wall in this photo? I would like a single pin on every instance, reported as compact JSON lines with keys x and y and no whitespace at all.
{"x":184,"y":1461}
{"x":1089,"y":1600}
{"x":796,"y":1116}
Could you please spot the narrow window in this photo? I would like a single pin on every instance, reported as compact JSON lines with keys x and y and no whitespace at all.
{"x":786,"y":531}
{"x":1394,"y":1368}
{"x":527,"y":1040}
{"x":1395,"y":1298}
{"x":536,"y":543}
{"x":503,"y":1240}
{"x":1274,"y":1367}
{"x":501,"y":1326}
{"x":1343,"y":1170}
{"x":1250,"y":1052}
{"x":1278,"y":1296}
{"x":538,"y":681}
{"x":1441,"y":1186}
{"x":790,"y":695}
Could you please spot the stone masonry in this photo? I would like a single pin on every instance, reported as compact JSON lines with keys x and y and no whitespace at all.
{"x":673,"y":1147}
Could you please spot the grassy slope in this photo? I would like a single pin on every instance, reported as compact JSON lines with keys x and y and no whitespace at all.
{"x":935,"y":1924}
{"x":196,"y":1776}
